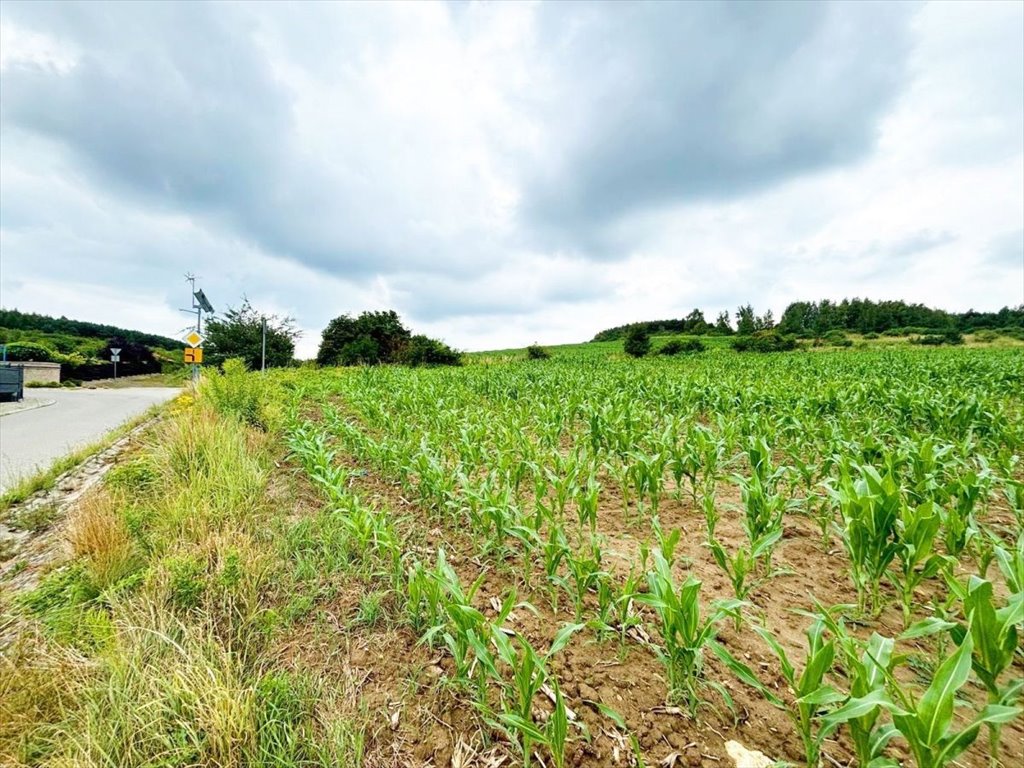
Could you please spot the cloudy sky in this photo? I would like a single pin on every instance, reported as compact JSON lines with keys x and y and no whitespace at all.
{"x":510,"y":172}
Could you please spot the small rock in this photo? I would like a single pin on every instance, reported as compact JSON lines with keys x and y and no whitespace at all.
{"x":746,"y":758}
{"x":587,"y":692}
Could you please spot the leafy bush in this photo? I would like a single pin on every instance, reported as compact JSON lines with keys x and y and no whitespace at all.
{"x":537,"y":352}
{"x":685,"y":346}
{"x":239,"y":393}
{"x":935,"y":339}
{"x":373,"y":337}
{"x":638,"y":341}
{"x":986,"y":336}
{"x":764,"y":341}
{"x":838,"y":339}
{"x":870,"y":335}
{"x":422,"y":350}
{"x":361,"y":351}
{"x":27,"y":351}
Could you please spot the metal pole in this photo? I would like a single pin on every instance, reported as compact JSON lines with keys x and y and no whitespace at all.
{"x":115,"y":370}
{"x":263,"y":363}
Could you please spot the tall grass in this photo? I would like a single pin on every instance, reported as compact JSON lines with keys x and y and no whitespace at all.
{"x":176,"y":566}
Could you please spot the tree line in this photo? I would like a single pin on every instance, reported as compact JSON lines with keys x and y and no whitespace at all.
{"x":817,"y":318}
{"x":30,"y":321}
{"x":371,"y":338}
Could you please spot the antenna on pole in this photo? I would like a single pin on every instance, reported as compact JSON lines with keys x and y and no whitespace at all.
{"x":200,"y":304}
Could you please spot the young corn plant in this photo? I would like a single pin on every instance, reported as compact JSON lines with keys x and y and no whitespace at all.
{"x":866,"y":666}
{"x":959,"y":526}
{"x":585,"y":575}
{"x":763,"y":513}
{"x":459,"y":627}
{"x":667,"y":542}
{"x":711,"y":513}
{"x":309,"y":446}
{"x":1011,"y":564}
{"x":993,"y":632}
{"x":553,"y":552}
{"x":926,"y":723}
{"x":869,"y":508}
{"x":685,"y":632}
{"x":741,"y":567}
{"x":587,"y":505}
{"x":646,"y":473}
{"x":1013,"y":490}
{"x":527,"y":674}
{"x":917,"y":529}
{"x":811,"y":694}
{"x":557,"y":730}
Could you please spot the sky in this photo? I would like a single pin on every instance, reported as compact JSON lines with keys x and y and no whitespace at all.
{"x":507,"y":173}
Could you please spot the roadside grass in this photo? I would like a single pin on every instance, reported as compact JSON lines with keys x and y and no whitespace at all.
{"x":154,"y":645}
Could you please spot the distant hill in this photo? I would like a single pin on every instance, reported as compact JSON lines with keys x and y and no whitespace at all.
{"x":13,"y":320}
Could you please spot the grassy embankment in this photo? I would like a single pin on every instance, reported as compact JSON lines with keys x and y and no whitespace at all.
{"x":150,"y":646}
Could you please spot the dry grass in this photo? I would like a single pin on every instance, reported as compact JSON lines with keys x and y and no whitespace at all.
{"x":97,"y":534}
{"x":39,"y":683}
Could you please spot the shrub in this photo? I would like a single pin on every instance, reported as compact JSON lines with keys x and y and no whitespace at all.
{"x":1012,"y":333}
{"x":537,"y":352}
{"x":422,"y":350}
{"x":373,"y":337}
{"x":241,"y":394}
{"x":28,"y":351}
{"x":638,"y":341}
{"x":870,"y":335}
{"x":684,"y":346}
{"x":986,"y":336}
{"x":936,"y":339}
{"x":893,"y":332}
{"x":838,"y":339}
{"x":362,"y":351}
{"x":764,"y":341}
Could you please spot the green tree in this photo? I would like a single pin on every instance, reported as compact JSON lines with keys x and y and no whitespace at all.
{"x":371,"y":338}
{"x":745,"y":320}
{"x":765,"y":322}
{"x":722,"y":325}
{"x":423,"y":350}
{"x":239,"y":333}
{"x":695,"y":322}
{"x":638,"y":341}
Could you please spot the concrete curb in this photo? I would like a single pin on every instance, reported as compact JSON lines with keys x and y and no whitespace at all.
{"x":6,"y":409}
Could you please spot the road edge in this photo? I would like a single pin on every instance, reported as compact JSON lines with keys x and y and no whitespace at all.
{"x":32,"y":407}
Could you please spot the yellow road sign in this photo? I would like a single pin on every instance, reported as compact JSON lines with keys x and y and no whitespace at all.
{"x":194,"y":355}
{"x":193,"y":339}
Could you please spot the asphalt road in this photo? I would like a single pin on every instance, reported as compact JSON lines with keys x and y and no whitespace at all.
{"x":32,"y":440}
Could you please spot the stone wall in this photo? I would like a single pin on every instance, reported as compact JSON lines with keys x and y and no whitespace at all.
{"x":44,"y":373}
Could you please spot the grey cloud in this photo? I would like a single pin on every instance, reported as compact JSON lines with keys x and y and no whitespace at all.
{"x":431,"y":297}
{"x":665,"y":102}
{"x":175,"y":106}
